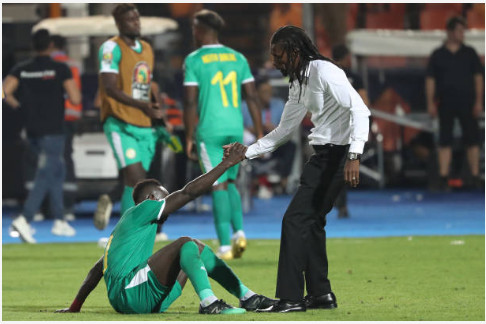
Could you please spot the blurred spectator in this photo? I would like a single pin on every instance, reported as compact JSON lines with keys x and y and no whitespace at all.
{"x":72,"y":113}
{"x":277,"y":164}
{"x":342,"y":56}
{"x":454,"y":88}
{"x":42,"y":83}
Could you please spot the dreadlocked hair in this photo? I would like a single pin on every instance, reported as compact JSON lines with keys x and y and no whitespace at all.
{"x":295,"y":42}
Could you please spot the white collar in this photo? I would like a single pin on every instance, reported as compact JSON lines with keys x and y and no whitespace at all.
{"x":212,"y":46}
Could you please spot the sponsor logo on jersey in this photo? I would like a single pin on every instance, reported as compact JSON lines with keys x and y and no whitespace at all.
{"x":141,"y":81}
{"x":108,"y":57}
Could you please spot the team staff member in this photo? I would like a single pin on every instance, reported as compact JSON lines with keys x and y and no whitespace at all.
{"x":42,"y":84}
{"x":126,"y":65}
{"x":141,"y":282}
{"x":454,"y":79}
{"x":214,"y":76}
{"x":341,"y":121}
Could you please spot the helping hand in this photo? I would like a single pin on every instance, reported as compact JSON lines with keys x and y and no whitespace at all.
{"x":234,"y":153}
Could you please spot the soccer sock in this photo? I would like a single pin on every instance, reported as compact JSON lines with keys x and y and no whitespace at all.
{"x":126,"y":200}
{"x":192,"y":265}
{"x":222,"y":212}
{"x":236,"y":209}
{"x":219,"y":271}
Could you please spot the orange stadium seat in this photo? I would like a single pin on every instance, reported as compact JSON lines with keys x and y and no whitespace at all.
{"x":352,"y":15}
{"x":475,"y":19}
{"x":435,"y":19}
{"x":456,"y":7}
{"x":379,"y":18}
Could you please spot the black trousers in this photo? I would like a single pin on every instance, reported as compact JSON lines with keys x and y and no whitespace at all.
{"x":303,"y":241}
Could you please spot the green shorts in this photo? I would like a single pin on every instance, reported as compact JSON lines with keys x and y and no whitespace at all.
{"x":130,"y":144}
{"x":210,"y":152}
{"x":140,"y":292}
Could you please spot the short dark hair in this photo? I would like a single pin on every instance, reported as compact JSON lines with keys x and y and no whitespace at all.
{"x":58,"y":41}
{"x":41,"y":40}
{"x":121,"y":9}
{"x":139,"y":189}
{"x":454,"y":21}
{"x":210,"y":19}
{"x":339,"y":52}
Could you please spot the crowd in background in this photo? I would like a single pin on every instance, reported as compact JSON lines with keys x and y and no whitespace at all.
{"x":270,"y":174}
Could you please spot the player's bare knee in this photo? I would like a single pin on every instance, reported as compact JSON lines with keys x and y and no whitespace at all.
{"x":184,"y":239}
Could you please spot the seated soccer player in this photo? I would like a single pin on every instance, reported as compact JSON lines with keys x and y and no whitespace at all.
{"x":141,"y":282}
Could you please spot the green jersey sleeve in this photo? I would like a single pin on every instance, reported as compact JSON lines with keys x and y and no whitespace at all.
{"x":246,"y":72}
{"x":109,"y":57}
{"x":190,"y":77}
{"x":147,"y":212}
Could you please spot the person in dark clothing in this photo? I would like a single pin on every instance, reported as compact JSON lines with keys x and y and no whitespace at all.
{"x":320,"y":87}
{"x":454,"y":89}
{"x":42,"y":84}
{"x":342,"y":56}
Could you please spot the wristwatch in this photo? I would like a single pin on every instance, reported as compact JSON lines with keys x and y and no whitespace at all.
{"x":354,"y":156}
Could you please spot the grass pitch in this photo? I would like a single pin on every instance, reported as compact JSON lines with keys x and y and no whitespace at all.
{"x":417,"y":278}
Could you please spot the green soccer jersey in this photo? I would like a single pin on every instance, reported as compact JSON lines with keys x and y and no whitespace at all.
{"x":109,"y":56}
{"x":219,"y":72}
{"x":132,"y":239}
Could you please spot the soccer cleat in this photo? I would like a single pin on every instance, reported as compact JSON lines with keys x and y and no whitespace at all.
{"x":258,"y":302}
{"x":103,"y":212}
{"x":24,"y":229}
{"x":228,"y":255}
{"x":62,"y":228}
{"x":326,"y":301}
{"x":220,"y":307}
{"x":238,"y":246}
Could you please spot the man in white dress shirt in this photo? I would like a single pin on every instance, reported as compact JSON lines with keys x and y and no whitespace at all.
{"x":341,"y":121}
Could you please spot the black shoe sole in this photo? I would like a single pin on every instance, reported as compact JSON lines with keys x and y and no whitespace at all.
{"x":323,"y":307}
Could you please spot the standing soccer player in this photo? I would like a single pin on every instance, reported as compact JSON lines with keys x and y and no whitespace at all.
{"x":126,"y":65}
{"x":214,"y":75}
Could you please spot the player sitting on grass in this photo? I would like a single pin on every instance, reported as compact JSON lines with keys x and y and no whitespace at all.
{"x":141,"y":282}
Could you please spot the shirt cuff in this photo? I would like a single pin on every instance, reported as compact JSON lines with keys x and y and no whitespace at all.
{"x":250,"y":152}
{"x":356,"y":147}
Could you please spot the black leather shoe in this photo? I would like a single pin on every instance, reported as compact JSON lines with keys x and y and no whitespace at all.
{"x":327,"y":301}
{"x":258,"y":302}
{"x":285,"y":306}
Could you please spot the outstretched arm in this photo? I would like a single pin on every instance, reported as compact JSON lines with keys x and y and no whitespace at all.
{"x":94,"y":276}
{"x":198,"y":186}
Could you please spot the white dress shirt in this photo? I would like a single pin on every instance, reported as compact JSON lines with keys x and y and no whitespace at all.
{"x":338,"y":113}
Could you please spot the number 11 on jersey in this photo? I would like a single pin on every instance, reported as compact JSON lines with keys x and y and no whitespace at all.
{"x":222,"y":81}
